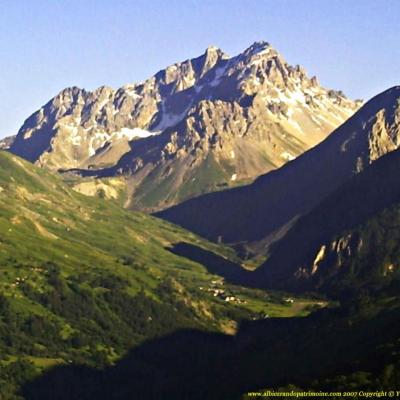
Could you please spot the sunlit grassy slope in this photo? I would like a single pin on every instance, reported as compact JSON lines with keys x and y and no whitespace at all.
{"x":82,"y":280}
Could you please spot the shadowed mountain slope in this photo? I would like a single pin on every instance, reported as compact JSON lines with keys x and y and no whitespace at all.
{"x":331,"y":350}
{"x":350,"y":240}
{"x":265,"y":209}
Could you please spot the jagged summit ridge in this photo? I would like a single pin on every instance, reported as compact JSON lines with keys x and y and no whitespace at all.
{"x":241,"y":116}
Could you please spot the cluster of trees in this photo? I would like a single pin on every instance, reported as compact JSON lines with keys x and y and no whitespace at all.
{"x":103,"y":320}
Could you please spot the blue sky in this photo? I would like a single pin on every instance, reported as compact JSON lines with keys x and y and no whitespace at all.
{"x":46,"y":45}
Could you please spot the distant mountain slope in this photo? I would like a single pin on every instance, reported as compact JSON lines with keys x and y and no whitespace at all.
{"x":264,"y":210}
{"x":197,"y":126}
{"x":6,"y":142}
{"x":350,"y":240}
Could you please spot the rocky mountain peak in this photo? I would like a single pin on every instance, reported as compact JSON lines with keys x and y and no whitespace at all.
{"x":258,"y":48}
{"x":6,"y":142}
{"x":262,"y":69}
{"x":240,"y":115}
{"x":255,"y":55}
{"x":70,"y":95}
{"x":214,"y":51}
{"x":212,"y":56}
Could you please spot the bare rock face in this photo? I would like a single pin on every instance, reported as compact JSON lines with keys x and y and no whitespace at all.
{"x":194,"y":127}
{"x":6,"y":142}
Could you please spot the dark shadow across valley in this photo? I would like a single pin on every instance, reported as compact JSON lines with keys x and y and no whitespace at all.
{"x":214,"y":263}
{"x":197,"y":365}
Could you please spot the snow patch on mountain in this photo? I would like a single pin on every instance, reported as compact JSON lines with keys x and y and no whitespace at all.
{"x":132,"y":133}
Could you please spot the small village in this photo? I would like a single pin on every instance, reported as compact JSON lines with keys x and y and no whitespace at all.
{"x":216,"y":290}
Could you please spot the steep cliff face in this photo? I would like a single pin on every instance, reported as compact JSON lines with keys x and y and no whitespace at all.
{"x":194,"y":127}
